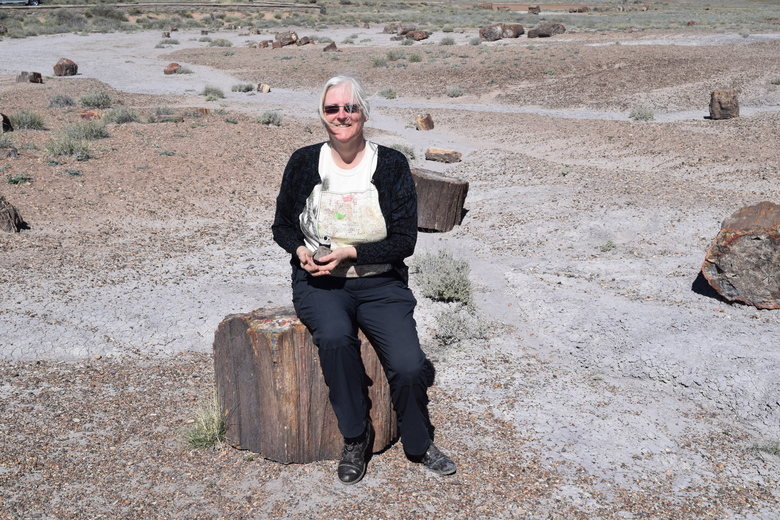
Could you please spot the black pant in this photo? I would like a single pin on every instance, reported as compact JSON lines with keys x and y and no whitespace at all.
{"x":383,"y":306}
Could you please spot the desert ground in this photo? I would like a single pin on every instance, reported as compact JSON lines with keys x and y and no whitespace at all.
{"x":612,"y":383}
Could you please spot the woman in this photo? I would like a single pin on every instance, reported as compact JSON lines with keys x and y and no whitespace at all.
{"x":347,"y":213}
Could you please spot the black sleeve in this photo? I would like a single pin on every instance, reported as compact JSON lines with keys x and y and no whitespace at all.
{"x":286,"y":229}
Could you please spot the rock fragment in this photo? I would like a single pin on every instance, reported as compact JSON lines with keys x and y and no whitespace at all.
{"x":331,"y":47}
{"x":10,"y":220}
{"x":546,"y":30}
{"x":442,"y":155}
{"x":172,"y":68}
{"x":29,"y":77}
{"x":65,"y":67}
{"x":424,"y":122}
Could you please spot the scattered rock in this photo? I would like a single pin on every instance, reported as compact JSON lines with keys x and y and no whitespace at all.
{"x":724,"y":104}
{"x":417,"y":35}
{"x":546,"y":30}
{"x":29,"y":77}
{"x":6,"y":124}
{"x":331,"y":47}
{"x":203,"y":32}
{"x":534,"y":9}
{"x":264,"y":88}
{"x":580,"y":9}
{"x":304,"y":41}
{"x":172,"y":68}
{"x":10,"y":220}
{"x":690,"y":23}
{"x":442,"y":155}
{"x":491,"y":33}
{"x":286,"y":38}
{"x":166,"y":34}
{"x":424,"y":122}
{"x":397,"y":38}
{"x":91,"y":115}
{"x":743,"y":261}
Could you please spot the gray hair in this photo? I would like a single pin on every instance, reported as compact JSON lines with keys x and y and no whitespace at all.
{"x":358,"y":93}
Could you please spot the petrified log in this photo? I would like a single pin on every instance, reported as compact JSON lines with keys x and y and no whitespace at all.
{"x":724,"y":104}
{"x":65,"y":67}
{"x":29,"y":77}
{"x":303,"y":41}
{"x":417,"y":35}
{"x":491,"y":33}
{"x":331,"y":47}
{"x":424,"y":122}
{"x":512,"y":30}
{"x":9,"y":218}
{"x":273,"y":395}
{"x":442,"y":155}
{"x":743,"y":261}
{"x":286,"y":38}
{"x":5,"y":124}
{"x":439,"y":199}
{"x":534,"y":9}
{"x":171,"y":68}
{"x":546,"y":30}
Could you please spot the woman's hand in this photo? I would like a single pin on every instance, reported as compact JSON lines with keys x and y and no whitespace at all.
{"x":327,"y":263}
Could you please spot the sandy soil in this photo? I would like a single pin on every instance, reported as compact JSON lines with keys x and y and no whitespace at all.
{"x":613,"y":383}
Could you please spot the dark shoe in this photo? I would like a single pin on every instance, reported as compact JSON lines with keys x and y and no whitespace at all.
{"x":438,"y":462}
{"x":354,"y":458}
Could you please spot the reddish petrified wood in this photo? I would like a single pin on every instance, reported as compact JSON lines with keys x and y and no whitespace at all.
{"x":743,"y":260}
{"x":10,"y":220}
{"x":440,"y":199}
{"x":424,"y":122}
{"x":724,"y":104}
{"x":65,"y":67}
{"x":273,"y":394}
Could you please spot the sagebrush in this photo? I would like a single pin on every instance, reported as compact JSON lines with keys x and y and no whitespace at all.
{"x":443,"y":278}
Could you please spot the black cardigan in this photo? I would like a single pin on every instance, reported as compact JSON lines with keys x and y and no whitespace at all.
{"x":397,"y":200}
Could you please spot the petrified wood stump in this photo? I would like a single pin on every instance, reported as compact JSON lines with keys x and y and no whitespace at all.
{"x":743,"y":260}
{"x":440,"y":199}
{"x":724,"y":104}
{"x":10,"y":220}
{"x":272,"y":392}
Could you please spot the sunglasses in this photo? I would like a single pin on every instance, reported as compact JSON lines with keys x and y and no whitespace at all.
{"x":334,"y":109}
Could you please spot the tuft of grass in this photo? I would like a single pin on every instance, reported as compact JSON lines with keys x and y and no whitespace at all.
{"x":204,"y":39}
{"x":26,"y":120}
{"x":549,"y":72}
{"x":443,"y":278}
{"x":641,"y":114}
{"x":96,"y":99}
{"x":454,"y":92}
{"x":775,"y":81}
{"x":242,"y":87}
{"x":415,"y":58}
{"x":408,"y":151}
{"x":183,"y":70}
{"x":65,"y":145}
{"x":168,"y":41}
{"x":20,"y":178}
{"x":407,"y":42}
{"x":270,"y":118}
{"x":61,"y":101}
{"x":163,"y":111}
{"x":208,"y":430}
{"x":220,"y":42}
{"x":74,"y":173}
{"x":6,"y":141}
{"x":476,"y":40}
{"x":770,"y":447}
{"x":607,"y":246}
{"x":120,"y":116}
{"x":447,"y":40}
{"x":89,"y":131}
{"x":460,"y":324}
{"x":395,"y":55}
{"x":212,"y":93}
{"x":388,"y":93}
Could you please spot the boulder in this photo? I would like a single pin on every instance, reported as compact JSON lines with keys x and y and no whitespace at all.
{"x":743,"y":261}
{"x":442,"y":155}
{"x":6,"y":125}
{"x":303,"y":41}
{"x":512,"y":30}
{"x":417,"y":35}
{"x":286,"y":38}
{"x":9,"y":218}
{"x":331,"y":47}
{"x":264,"y":88}
{"x":546,"y":30}
{"x":724,"y":104}
{"x":534,"y":9}
{"x":65,"y":67}
{"x":172,"y":68}
{"x":29,"y":77}
{"x":491,"y":33}
{"x":424,"y":122}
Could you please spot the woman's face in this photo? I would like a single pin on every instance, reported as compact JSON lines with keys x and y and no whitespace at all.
{"x":341,"y":125}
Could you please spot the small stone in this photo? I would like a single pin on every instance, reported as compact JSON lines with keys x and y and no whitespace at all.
{"x":264,"y":88}
{"x":442,"y":155}
{"x":172,"y":68}
{"x":331,"y":47}
{"x":424,"y":122}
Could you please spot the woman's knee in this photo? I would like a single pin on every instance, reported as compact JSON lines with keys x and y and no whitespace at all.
{"x":334,"y":338}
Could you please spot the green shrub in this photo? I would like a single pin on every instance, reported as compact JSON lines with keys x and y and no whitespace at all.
{"x":168,"y":41}
{"x":770,"y":447}
{"x":408,"y":151}
{"x":65,"y":145}
{"x":407,"y":41}
{"x":121,"y":115}
{"x":61,"y":101}
{"x":74,"y":173}
{"x":460,"y":324}
{"x":443,"y":278}
{"x":242,"y":87}
{"x":90,"y":130}
{"x":163,"y":111}
{"x":388,"y":93}
{"x":447,"y":40}
{"x":270,"y":118}
{"x":220,"y":42}
{"x":454,"y":92}
{"x":476,"y":40}
{"x":20,"y":178}
{"x":415,"y":58}
{"x":208,"y":430}
{"x":447,"y":29}
{"x":96,"y":99}
{"x":378,"y":62}
{"x":204,"y":39}
{"x":641,"y":114}
{"x":6,"y":141}
{"x":183,"y":70}
{"x":212,"y":92}
{"x":775,"y":81}
{"x":26,"y":120}
{"x":395,"y":55}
